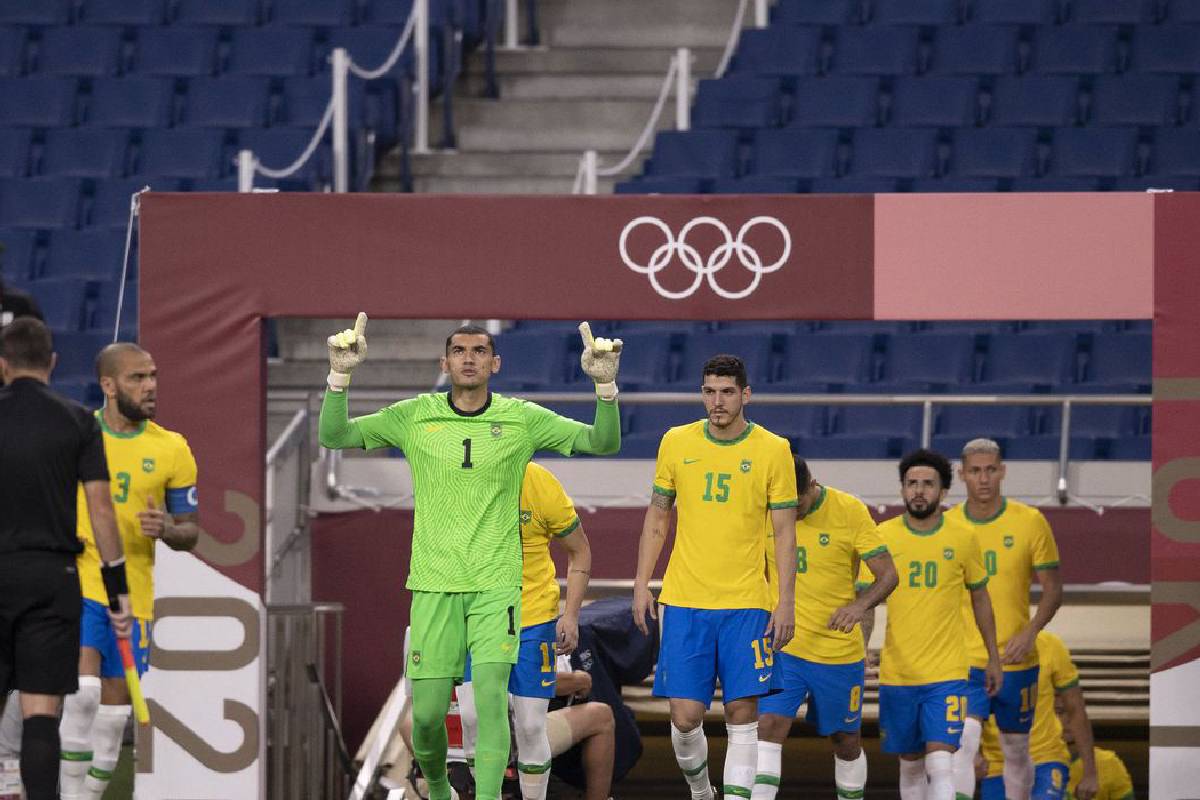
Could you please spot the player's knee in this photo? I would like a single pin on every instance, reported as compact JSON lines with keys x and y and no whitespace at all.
{"x":601,"y":717}
{"x":846,"y":746}
{"x":686,"y":720}
{"x":773,"y":728}
{"x":528,"y":729}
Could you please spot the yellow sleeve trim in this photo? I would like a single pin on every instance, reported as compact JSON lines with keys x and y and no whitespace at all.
{"x":1047,"y":565}
{"x":878,"y":551}
{"x":567,"y":531}
{"x":665,"y":492}
{"x":980,"y":585}
{"x":784,"y":504}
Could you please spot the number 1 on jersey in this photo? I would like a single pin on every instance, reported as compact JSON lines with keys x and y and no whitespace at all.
{"x":467,"y":454}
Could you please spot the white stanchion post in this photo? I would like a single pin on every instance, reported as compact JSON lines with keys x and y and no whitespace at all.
{"x":421,"y":134}
{"x":511,"y":23}
{"x":341,"y":121}
{"x":683,"y":89}
{"x":245,"y":165}
{"x":590,"y":165}
{"x":760,"y":13}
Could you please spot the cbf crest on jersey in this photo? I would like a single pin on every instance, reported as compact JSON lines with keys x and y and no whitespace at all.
{"x":823,"y":539}
{"x":497,"y":430}
{"x":147,"y":465}
{"x":1008,"y":542}
{"x":526,"y":516}
{"x":948,"y":553}
{"x":745,"y":465}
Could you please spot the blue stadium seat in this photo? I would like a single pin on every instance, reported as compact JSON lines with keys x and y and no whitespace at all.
{"x":696,"y":153}
{"x":968,"y":327}
{"x":1014,"y":12}
{"x":995,"y":152}
{"x":953,"y":184}
{"x":1042,"y":101}
{"x":737,"y":101}
{"x":12,"y":51}
{"x":1075,"y":50}
{"x":39,"y":203}
{"x":850,"y":326}
{"x":278,"y":147}
{"x":923,"y":362}
{"x":63,"y":302}
{"x":884,"y":153}
{"x":232,"y":13}
{"x":1115,"y":12}
{"x":110,"y":199}
{"x":1177,"y":151}
{"x":850,"y":447}
{"x":176,"y":51}
{"x":853,"y":184}
{"x":754,"y":349}
{"x":41,"y":12}
{"x":1143,"y":183}
{"x":16,"y":260}
{"x":885,"y":421}
{"x":1109,"y":422}
{"x":1031,"y":362}
{"x":935,"y":102}
{"x":86,"y":152}
{"x":271,"y":51}
{"x":317,"y":13}
{"x":1166,"y":49}
{"x":780,"y":50}
{"x":389,"y":12}
{"x":130,"y":102}
{"x":91,"y":254}
{"x":370,"y":46}
{"x":1119,"y":362}
{"x":1055,"y":183}
{"x":1130,"y":448}
{"x":818,"y":363}
{"x":661,"y":184}
{"x":790,"y":422}
{"x":531,"y":361}
{"x":231,"y":101}
{"x":876,"y":51}
{"x":100,"y":314}
{"x":817,"y":12}
{"x":795,"y":153}
{"x":655,"y":420}
{"x":915,"y":12}
{"x":123,"y":12}
{"x":976,"y":50}
{"x":1042,"y":447}
{"x":14,"y":152}
{"x":182,"y":153}
{"x":1186,"y":11}
{"x":79,"y":50}
{"x":1135,"y":100}
{"x":1094,"y":152}
{"x":37,"y":102}
{"x":305,"y":99}
{"x":836,"y":102}
{"x":77,"y":355}
{"x":645,"y":360}
{"x":755,"y":184}
{"x":991,"y":422}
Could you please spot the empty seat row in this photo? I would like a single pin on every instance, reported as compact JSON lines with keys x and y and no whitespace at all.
{"x":1016,"y":12}
{"x":76,"y":304}
{"x":327,"y":13}
{"x":89,"y":254}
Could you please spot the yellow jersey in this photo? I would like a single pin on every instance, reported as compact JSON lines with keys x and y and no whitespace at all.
{"x":149,"y":463}
{"x":546,"y":513}
{"x":924,"y":642}
{"x":1015,"y":542}
{"x":832,"y":538}
{"x":1046,"y":745}
{"x":1115,"y":783}
{"x":723,"y":494}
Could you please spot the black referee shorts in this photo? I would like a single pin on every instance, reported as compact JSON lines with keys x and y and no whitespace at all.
{"x":40,"y":606}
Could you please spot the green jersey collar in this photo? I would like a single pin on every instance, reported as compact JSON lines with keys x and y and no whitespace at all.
{"x":727,"y":442}
{"x":914,"y":531}
{"x":131,"y":434}
{"x":816,"y":505}
{"x":477,"y":412}
{"x":986,"y":520}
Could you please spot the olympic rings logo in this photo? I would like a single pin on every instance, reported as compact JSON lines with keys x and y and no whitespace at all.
{"x":704,"y":268}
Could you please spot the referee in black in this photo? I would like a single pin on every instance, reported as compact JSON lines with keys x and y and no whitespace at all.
{"x":48,"y":447}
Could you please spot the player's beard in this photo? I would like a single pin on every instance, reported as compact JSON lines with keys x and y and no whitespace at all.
{"x":131,"y":410}
{"x":924,"y":513}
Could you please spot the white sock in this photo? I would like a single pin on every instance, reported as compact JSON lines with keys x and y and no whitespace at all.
{"x":850,"y":777}
{"x":533,"y":745}
{"x":11,"y":726}
{"x":75,"y":731}
{"x":741,"y":759}
{"x":964,"y":758}
{"x":107,"y":732}
{"x":913,"y":782}
{"x":770,"y":766}
{"x":691,"y":751}
{"x":939,"y":766}
{"x":470,"y":722}
{"x":1018,"y":765}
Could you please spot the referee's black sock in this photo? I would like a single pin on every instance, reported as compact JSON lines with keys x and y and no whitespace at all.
{"x":39,"y":757}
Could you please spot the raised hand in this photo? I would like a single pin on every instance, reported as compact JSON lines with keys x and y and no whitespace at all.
{"x":347,"y":350}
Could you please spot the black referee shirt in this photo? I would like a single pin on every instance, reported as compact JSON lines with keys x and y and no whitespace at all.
{"x":48,"y":445}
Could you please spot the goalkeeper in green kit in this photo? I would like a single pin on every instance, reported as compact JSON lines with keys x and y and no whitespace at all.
{"x":467,"y":449}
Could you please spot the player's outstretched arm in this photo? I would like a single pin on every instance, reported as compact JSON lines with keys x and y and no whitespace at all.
{"x":985,"y":620}
{"x":650,"y":545}
{"x":600,"y":360}
{"x":1081,"y":732}
{"x":347,"y":350}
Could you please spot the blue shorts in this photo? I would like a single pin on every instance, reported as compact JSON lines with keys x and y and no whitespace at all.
{"x":1049,"y":783}
{"x":534,"y":674}
{"x":96,"y":632}
{"x":912,"y":716}
{"x":1013,"y":706}
{"x":833,"y":691}
{"x":700,"y":645}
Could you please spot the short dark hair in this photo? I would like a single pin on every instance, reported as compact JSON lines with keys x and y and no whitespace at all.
{"x":25,"y":343}
{"x":926,"y":458}
{"x":471,"y":330}
{"x":803,"y":474}
{"x":726,"y":366}
{"x":109,"y":355}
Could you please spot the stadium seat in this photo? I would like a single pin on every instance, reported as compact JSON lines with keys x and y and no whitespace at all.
{"x":271,"y":51}
{"x":817,"y":12}
{"x":92,"y":254}
{"x":39,"y":203}
{"x":63,"y":302}
{"x":953,"y":184}
{"x":1177,"y":151}
{"x":305,"y":99}
{"x":1055,"y":183}
{"x":175,"y":51}
{"x":991,"y":422}
{"x":1115,"y":12}
{"x":232,"y":13}
{"x":1094,"y":152}
{"x":656,"y":419}
{"x":86,"y":152}
{"x":1130,"y":448}
{"x":231,"y":101}
{"x":101,"y":312}
{"x":737,"y":101}
{"x":123,"y":12}
{"x":884,"y":50}
{"x":914,"y":12}
{"x":755,"y":184}
{"x":531,"y":361}
{"x":901,"y":421}
{"x":1013,"y":12}
{"x":110,"y":199}
{"x":14,"y":152}
{"x":754,"y":349}
{"x":183,"y":153}
{"x":1144,"y":183}
{"x":790,"y":422}
{"x":836,"y":102}
{"x":853,"y":184}
{"x":370,"y":46}
{"x":969,"y":327}
{"x":696,"y":153}
{"x":1075,"y":50}
{"x":976,"y":50}
{"x":1166,"y":49}
{"x":79,"y":50}
{"x":994,"y":152}
{"x":662,"y":184}
{"x":76,"y":353}
{"x":1186,"y":11}
{"x":779,"y":51}
{"x":278,"y":147}
{"x":12,"y":51}
{"x":795,"y":153}
{"x":935,"y":102}
{"x":1042,"y":101}
{"x":317,"y":13}
{"x":37,"y":102}
{"x":1110,"y":422}
{"x":130,"y":102}
{"x":40,"y":12}
{"x":1151,"y":100}
{"x":16,"y":259}
{"x":819,"y":363}
{"x":849,"y":447}
{"x":1119,"y":362}
{"x":388,"y":12}
{"x":1031,"y":362}
{"x":885,"y":153}
{"x":925,"y":362}
{"x":645,"y":360}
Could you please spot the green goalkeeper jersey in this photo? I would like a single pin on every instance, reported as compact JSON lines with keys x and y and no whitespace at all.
{"x":467,"y":471}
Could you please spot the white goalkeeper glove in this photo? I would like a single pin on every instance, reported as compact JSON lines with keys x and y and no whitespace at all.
{"x":599,"y":360}
{"x":347,"y":350}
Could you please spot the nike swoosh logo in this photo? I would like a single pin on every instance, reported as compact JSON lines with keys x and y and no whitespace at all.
{"x":953,"y":730}
{"x":764,"y":678}
{"x":850,"y":719}
{"x":547,"y":683}
{"x":690,"y":460}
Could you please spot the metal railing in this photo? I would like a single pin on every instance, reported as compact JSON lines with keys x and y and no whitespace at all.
{"x":288,"y":561}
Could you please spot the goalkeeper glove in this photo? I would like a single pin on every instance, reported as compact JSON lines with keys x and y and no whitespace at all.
{"x":599,"y":360}
{"x":347,"y":350}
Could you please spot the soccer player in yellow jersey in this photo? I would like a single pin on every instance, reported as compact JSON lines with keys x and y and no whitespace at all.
{"x":1058,"y":686}
{"x":730,"y":479}
{"x":824,"y":663}
{"x":154,"y":496}
{"x":1017,"y":545}
{"x":547,"y":514}
{"x":1112,"y":781}
{"x":923,"y":665}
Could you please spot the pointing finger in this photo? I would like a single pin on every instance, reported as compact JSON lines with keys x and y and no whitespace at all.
{"x":360,"y":324}
{"x":585,"y":330}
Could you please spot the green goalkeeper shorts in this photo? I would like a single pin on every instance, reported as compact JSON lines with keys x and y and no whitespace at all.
{"x":445,"y":625}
